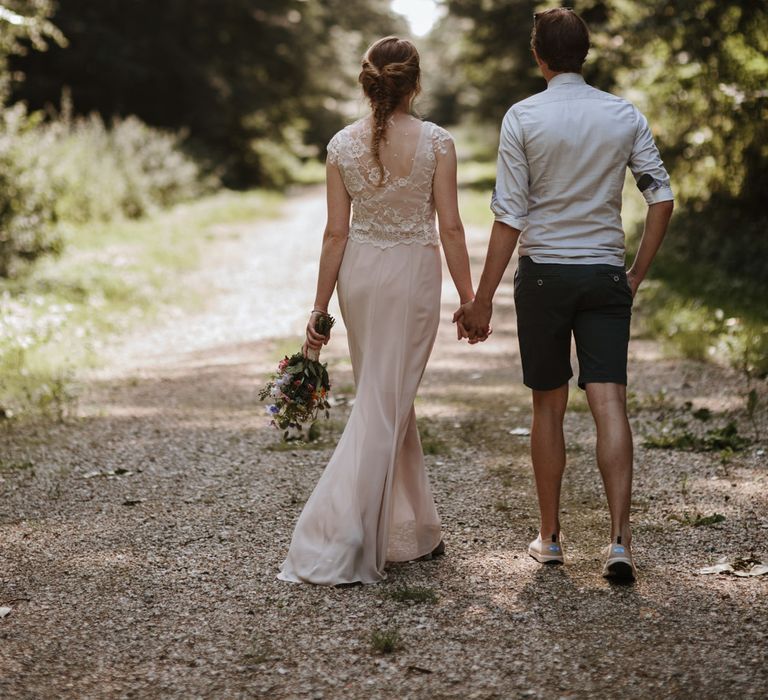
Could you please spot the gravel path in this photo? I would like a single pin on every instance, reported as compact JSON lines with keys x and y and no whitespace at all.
{"x":139,"y":540}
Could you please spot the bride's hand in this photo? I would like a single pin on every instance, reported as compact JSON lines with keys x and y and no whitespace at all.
{"x":314,"y":340}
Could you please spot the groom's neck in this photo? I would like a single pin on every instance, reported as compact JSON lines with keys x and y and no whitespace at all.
{"x":549,"y":74}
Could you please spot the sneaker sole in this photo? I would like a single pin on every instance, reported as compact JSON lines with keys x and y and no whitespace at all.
{"x":544,"y":559}
{"x":619,"y":571}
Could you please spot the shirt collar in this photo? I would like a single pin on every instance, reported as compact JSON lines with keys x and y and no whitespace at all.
{"x":566,"y":79}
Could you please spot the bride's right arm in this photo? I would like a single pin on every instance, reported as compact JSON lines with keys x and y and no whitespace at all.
{"x":445,"y":190}
{"x":334,"y":242}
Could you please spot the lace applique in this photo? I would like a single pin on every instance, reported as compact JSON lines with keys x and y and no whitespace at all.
{"x":402,"y":209}
{"x":333,"y":149}
{"x":441,"y":139}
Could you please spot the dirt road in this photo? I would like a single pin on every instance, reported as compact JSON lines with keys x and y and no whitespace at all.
{"x":140,"y":539}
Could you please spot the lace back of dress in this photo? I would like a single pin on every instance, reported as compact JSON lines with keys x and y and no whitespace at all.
{"x":400,"y":209}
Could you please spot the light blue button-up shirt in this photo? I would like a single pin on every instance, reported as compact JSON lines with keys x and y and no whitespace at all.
{"x":563,"y":155}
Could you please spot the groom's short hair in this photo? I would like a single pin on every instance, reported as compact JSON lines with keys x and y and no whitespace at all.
{"x":561,"y":39}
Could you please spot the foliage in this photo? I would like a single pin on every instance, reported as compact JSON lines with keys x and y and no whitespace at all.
{"x":26,"y":211}
{"x":698,"y":69}
{"x":66,"y":171}
{"x":385,"y":641}
{"x":250,"y":81}
{"x":57,"y":317}
{"x":24,"y":23}
{"x":414,"y":594}
{"x":699,"y":520}
{"x":701,"y":324}
{"x":27,"y":202}
{"x":713,"y":440}
{"x":494,"y":68}
{"x":445,"y":97}
{"x":127,"y":169}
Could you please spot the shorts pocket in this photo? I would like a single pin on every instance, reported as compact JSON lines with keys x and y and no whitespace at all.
{"x":618,"y":280}
{"x":542,"y":287}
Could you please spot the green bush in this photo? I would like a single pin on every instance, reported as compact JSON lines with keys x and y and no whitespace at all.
{"x":77,"y":171}
{"x":27,"y":201}
{"x":128,"y":170}
{"x":722,"y":246}
{"x":156,"y":171}
{"x":701,"y":330}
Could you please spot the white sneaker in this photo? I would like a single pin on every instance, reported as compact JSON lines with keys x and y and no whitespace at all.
{"x":547,"y":551}
{"x":619,"y":565}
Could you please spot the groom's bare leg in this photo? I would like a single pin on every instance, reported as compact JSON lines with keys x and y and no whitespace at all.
{"x":548,"y":454}
{"x":608,"y":403}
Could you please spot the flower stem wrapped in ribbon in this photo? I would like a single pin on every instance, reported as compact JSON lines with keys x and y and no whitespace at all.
{"x":300,"y":388}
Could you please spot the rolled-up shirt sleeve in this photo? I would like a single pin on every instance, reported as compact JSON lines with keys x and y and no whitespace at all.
{"x":509,"y":202}
{"x":647,"y":167}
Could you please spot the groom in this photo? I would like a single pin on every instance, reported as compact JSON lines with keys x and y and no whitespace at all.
{"x":563,"y":155}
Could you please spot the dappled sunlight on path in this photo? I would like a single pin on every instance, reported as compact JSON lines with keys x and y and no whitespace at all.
{"x":154,"y":522}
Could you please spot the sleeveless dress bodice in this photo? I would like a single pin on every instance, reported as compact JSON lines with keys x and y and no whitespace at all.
{"x":400,"y":209}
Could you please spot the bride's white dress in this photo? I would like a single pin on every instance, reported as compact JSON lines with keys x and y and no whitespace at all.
{"x":373,"y":503}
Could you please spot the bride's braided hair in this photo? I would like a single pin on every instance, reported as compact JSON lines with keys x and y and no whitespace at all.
{"x":390,"y":73}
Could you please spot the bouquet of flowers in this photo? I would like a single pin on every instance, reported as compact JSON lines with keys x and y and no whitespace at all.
{"x":300,"y":387}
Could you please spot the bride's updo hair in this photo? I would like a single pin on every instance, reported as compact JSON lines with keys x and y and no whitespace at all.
{"x":390,"y":73}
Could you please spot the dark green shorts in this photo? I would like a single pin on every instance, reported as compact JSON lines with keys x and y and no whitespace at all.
{"x":553,"y":301}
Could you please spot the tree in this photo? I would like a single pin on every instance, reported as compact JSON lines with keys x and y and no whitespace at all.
{"x":697,"y":68}
{"x":26,"y":209}
{"x":23,"y":25}
{"x":248,"y":78}
{"x":495,"y":58}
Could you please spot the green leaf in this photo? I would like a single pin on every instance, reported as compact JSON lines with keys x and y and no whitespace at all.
{"x":703,"y":520}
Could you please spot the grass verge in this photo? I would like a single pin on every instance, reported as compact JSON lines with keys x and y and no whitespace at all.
{"x":696,"y":327}
{"x":56,"y":318}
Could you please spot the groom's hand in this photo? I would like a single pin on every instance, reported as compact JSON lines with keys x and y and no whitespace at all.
{"x":634,"y":282}
{"x":473,"y":321}
{"x":461,"y":330}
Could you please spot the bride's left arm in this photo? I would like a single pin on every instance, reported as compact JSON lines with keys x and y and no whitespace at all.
{"x":334,"y":243}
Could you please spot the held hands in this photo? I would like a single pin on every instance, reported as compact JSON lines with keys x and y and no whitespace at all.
{"x":314,"y":340}
{"x":473,"y":321}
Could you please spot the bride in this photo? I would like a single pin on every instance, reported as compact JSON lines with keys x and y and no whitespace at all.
{"x":373,"y":503}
